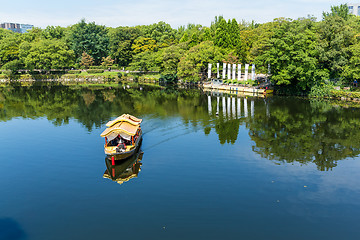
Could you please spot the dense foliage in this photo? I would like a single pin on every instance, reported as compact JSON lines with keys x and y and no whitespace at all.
{"x":302,"y":53}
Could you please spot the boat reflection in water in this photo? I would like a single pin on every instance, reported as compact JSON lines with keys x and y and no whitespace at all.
{"x":124,"y":170}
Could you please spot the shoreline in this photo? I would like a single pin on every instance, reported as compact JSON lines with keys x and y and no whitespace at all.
{"x":234,"y":89}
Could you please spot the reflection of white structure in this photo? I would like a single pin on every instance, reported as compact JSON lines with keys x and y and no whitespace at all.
{"x":267,"y":109}
{"x":209,"y":105}
{"x":228,"y":107}
{"x":252,"y":108}
{"x":246,"y":108}
{"x":218,"y":70}
{"x":233,"y":107}
{"x":224,"y":106}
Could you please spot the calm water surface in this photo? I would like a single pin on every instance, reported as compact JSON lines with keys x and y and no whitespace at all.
{"x":210,"y":167}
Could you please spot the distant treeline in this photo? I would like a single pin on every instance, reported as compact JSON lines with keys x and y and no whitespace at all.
{"x":303,"y":53}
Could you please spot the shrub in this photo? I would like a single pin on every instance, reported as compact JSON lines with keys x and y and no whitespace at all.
{"x":344,"y":94}
{"x":169,"y":78}
{"x":97,"y":67}
{"x":74,"y":72}
{"x":57,"y":72}
{"x":6,"y":72}
{"x":92,"y":71}
{"x":14,"y":65}
{"x":321,"y":90}
{"x":119,"y":75}
{"x":25,"y":77}
{"x":69,"y":76}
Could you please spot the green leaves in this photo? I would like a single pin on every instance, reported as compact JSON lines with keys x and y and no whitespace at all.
{"x":46,"y":54}
{"x":194,"y":64}
{"x":90,"y":38}
{"x":293,"y":54}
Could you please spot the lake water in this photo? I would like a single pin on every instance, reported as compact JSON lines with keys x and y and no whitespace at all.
{"x":210,"y":166}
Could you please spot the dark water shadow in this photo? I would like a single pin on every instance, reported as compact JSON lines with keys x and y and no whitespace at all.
{"x":11,"y":230}
{"x":124,"y":170}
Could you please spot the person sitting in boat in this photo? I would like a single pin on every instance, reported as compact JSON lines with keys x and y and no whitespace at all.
{"x":121,"y":143}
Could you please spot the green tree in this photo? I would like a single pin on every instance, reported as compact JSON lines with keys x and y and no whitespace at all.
{"x":222,"y":38}
{"x":120,"y":41}
{"x":336,"y":36}
{"x":143,"y":44}
{"x":161,"y":32}
{"x":46,"y":54}
{"x":293,"y":55}
{"x":51,"y":32}
{"x":194,"y":64}
{"x":254,"y":41}
{"x":90,"y":38}
{"x":185,"y":37}
{"x":341,"y":11}
{"x":145,"y":61}
{"x":234,"y":34}
{"x":9,"y":48}
{"x":170,"y":58}
{"x":352,"y":70}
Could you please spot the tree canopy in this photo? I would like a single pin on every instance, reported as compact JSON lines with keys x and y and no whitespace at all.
{"x":302,"y":53}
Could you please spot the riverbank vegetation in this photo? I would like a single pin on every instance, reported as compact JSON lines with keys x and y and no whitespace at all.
{"x":305,"y":55}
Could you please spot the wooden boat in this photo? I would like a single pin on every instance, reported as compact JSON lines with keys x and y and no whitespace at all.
{"x":122,"y":137}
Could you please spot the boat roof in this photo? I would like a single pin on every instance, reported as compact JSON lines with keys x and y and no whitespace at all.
{"x":125,"y":118}
{"x":121,"y":127}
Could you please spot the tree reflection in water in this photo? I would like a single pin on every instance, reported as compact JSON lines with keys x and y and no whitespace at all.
{"x":306,"y":131}
{"x":282,"y":129}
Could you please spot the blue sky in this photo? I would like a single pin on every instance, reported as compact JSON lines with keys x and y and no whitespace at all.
{"x":112,"y":13}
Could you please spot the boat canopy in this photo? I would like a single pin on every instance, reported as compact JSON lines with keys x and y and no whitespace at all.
{"x":125,"y":118}
{"x":125,"y":129}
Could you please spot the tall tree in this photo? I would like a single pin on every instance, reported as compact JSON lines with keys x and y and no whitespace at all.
{"x":46,"y":54}
{"x":193,"y":65}
{"x":341,"y":11}
{"x":221,"y":35}
{"x":9,"y":47}
{"x":234,"y":34}
{"x":293,"y":55}
{"x":120,"y":40}
{"x":335,"y":38}
{"x":90,"y":38}
{"x":143,"y":44}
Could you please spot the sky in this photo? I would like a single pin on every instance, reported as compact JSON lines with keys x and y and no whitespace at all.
{"x":114,"y":13}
